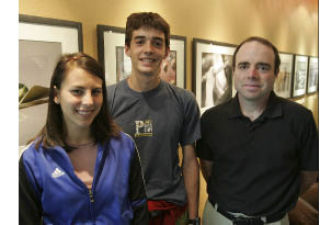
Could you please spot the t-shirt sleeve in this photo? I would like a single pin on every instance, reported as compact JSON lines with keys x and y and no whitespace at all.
{"x":309,"y":151}
{"x":190,"y":131}
{"x":202,"y":148}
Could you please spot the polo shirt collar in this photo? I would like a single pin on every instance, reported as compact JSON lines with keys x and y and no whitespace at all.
{"x":273,"y":109}
{"x":235,"y":111}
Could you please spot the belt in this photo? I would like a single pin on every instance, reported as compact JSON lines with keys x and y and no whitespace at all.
{"x":254,"y":220}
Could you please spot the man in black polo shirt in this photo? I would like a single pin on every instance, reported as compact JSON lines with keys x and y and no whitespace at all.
{"x":258,"y":152}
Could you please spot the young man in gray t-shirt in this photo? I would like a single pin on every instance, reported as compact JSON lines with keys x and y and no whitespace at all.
{"x":160,"y":117}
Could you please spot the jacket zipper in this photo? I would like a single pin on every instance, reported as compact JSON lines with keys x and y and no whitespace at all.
{"x":91,"y":190}
{"x":91,"y":196}
{"x":91,"y":203}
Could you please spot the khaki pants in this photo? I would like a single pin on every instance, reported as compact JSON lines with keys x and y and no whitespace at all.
{"x":212,"y":217}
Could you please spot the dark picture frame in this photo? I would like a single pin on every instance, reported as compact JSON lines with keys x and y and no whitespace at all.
{"x":111,"y":42}
{"x":300,"y":76}
{"x":283,"y":82}
{"x":46,"y":29}
{"x":41,"y":42}
{"x":212,"y":72}
{"x":313,"y":75}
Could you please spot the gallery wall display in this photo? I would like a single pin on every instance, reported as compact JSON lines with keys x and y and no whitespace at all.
{"x":283,"y":83}
{"x":212,"y":72}
{"x":117,"y":65}
{"x":300,"y":75}
{"x":41,"y":42}
{"x":313,"y":75}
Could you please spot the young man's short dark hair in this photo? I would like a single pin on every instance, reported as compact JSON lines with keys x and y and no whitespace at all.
{"x":147,"y":20}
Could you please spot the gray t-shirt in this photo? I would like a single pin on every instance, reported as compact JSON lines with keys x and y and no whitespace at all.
{"x":158,"y":120}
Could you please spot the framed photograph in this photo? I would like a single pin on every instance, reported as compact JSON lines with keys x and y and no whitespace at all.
{"x":282,"y":85}
{"x":41,"y":42}
{"x":313,"y":75}
{"x":300,"y":75}
{"x":212,"y":72}
{"x":117,"y":65}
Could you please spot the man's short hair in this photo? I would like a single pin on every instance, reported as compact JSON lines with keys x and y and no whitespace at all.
{"x":265,"y":42}
{"x":147,"y":20}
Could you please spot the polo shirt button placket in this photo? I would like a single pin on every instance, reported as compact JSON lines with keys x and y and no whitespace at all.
{"x":252,"y":127}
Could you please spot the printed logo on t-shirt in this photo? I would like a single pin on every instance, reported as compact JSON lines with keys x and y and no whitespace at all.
{"x":143,"y":128}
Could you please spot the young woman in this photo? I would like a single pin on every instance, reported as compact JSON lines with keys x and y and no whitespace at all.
{"x":80,"y":169}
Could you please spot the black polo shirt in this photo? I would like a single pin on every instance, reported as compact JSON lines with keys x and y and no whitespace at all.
{"x":256,"y":164}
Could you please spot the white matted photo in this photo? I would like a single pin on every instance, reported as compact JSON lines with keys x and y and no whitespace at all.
{"x":212,"y":73}
{"x":41,"y":42}
{"x":283,"y":83}
{"x":313,"y":75}
{"x":300,"y":75}
{"x":117,"y":65}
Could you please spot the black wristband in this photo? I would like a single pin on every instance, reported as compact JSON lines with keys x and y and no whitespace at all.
{"x":195,"y":221}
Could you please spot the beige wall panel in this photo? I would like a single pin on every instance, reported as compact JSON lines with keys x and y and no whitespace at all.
{"x":291,"y":25}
